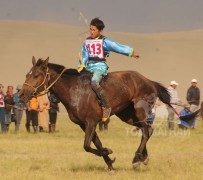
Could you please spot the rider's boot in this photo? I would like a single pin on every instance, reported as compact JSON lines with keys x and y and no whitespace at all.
{"x":106,"y":113}
{"x":104,"y":103}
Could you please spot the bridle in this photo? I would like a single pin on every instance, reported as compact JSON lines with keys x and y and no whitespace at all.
{"x":46,"y":89}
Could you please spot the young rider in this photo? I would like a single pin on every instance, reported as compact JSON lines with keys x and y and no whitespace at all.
{"x":94,"y":52}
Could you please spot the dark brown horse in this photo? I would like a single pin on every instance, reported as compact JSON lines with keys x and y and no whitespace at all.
{"x":130,"y":94}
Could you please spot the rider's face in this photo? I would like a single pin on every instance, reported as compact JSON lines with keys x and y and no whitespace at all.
{"x":94,"y":32}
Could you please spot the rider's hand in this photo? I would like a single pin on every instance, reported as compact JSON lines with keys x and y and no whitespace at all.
{"x":135,"y":55}
{"x":80,"y":68}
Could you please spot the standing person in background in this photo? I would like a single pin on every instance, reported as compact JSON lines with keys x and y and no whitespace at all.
{"x":201,"y":111}
{"x":32,"y":114}
{"x":44,"y":105}
{"x":18,"y":108}
{"x":173,"y":100}
{"x":193,"y":96}
{"x":9,"y":102}
{"x":54,"y":108}
{"x":2,"y":109}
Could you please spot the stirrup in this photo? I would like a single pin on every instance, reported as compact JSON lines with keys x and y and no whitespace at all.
{"x":106,"y":113}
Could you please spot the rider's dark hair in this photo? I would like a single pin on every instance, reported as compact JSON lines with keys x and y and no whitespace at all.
{"x":98,"y":23}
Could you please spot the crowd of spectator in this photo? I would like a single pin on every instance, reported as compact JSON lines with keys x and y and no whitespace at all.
{"x":192,"y":105}
{"x":37,"y":109}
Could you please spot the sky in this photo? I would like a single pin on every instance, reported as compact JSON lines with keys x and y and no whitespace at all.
{"x":136,"y":16}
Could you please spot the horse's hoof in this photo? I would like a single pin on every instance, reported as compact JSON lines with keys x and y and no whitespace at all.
{"x":110,"y":151}
{"x":146,"y":161}
{"x":111,"y":171}
{"x":136,"y":164}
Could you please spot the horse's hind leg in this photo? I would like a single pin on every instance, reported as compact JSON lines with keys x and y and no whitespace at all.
{"x":130,"y":116}
{"x":141,"y":153}
{"x":144,"y":155}
{"x":136,"y":116}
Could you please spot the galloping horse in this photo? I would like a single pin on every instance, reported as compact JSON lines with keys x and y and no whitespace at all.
{"x":131,"y":97}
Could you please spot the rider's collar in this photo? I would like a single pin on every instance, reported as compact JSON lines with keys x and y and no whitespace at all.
{"x":97,"y":37}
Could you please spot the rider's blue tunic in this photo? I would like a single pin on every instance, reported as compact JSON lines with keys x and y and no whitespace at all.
{"x":100,"y":67}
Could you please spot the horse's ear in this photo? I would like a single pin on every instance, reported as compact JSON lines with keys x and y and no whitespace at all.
{"x":45,"y":63}
{"x":47,"y":60}
{"x":33,"y":60}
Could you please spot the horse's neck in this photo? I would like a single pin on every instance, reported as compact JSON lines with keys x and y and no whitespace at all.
{"x":61,"y":86}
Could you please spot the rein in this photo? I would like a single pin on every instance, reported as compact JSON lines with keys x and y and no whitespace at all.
{"x":17,"y":107}
{"x":46,"y":89}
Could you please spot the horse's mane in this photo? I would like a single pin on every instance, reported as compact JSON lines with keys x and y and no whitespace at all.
{"x":59,"y":68}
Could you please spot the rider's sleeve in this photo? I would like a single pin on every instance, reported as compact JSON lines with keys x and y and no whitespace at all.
{"x":111,"y":45}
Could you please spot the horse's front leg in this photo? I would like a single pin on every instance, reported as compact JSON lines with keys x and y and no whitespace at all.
{"x":91,"y":135}
{"x":89,"y":130}
{"x":104,"y":151}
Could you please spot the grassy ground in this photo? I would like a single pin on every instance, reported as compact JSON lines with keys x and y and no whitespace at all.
{"x":174,"y":154}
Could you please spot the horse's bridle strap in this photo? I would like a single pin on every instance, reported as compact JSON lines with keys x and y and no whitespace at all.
{"x":46,"y":90}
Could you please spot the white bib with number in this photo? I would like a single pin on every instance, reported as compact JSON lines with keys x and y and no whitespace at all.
{"x":95,"y":48}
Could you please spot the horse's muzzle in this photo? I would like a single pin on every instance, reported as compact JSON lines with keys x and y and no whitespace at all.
{"x":23,"y":98}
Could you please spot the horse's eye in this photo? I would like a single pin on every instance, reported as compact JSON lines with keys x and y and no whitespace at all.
{"x":36,"y":75}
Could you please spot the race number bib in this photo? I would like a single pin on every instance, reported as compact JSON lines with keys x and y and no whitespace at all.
{"x":95,"y":48}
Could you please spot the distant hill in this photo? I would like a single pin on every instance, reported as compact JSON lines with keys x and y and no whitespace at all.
{"x":164,"y":56}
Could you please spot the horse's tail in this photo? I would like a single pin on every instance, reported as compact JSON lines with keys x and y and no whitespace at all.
{"x":162,"y":93}
{"x":201,"y":110}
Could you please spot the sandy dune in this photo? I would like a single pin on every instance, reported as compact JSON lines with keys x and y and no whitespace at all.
{"x":164,"y":56}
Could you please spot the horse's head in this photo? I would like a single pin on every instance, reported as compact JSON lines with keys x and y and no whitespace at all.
{"x":36,"y":80}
